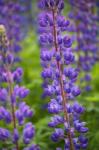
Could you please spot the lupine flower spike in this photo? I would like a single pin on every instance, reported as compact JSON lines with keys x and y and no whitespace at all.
{"x":85,"y":28}
{"x":59,"y":77}
{"x":13,"y":110}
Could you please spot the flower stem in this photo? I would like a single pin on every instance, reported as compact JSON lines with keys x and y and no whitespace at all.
{"x":66,"y":117}
{"x":10,"y":84}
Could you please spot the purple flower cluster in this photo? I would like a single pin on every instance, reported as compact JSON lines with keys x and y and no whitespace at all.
{"x":13,"y":111}
{"x":12,"y":17}
{"x":60,"y":75}
{"x":85,"y":28}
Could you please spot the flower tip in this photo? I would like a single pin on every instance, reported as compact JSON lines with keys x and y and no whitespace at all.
{"x":2,"y":28}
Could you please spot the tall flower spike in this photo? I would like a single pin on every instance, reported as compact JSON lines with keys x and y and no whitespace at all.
{"x":13,"y":110}
{"x":85,"y":25}
{"x":59,"y":76}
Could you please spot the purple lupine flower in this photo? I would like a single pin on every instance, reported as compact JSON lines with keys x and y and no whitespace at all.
{"x":28,"y":133}
{"x":15,"y":136}
{"x":13,"y":110}
{"x":4,"y":134}
{"x":58,"y":134}
{"x":12,"y":10}
{"x":32,"y":147}
{"x":59,"y":75}
{"x":56,"y":120}
{"x":3,"y":95}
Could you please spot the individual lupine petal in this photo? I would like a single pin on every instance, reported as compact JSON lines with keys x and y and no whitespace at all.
{"x":56,"y":120}
{"x":83,"y":130}
{"x":2,"y":111}
{"x":76,"y":91}
{"x":9,"y":59}
{"x":58,"y":56}
{"x":88,"y":88}
{"x":43,"y":22}
{"x":43,"y":39}
{"x":59,"y":99}
{"x":80,"y":126}
{"x":4,"y":134}
{"x":69,"y":108}
{"x":57,"y":90}
{"x":67,"y":88}
{"x":32,"y":147}
{"x":57,"y":74}
{"x":15,"y":136}
{"x":17,"y":75}
{"x":77,"y":146}
{"x":67,"y":144}
{"x":60,"y":4}
{"x":54,"y":107}
{"x":28,"y":133}
{"x":5,"y":115}
{"x":13,"y":98}
{"x":83,"y":141}
{"x":49,"y":90}
{"x":25,"y":109}
{"x":67,"y":42}
{"x":20,"y":117}
{"x":4,"y":77}
{"x":47,"y":73}
{"x":17,"y":47}
{"x":50,"y":39}
{"x":67,"y":126}
{"x":21,"y":92}
{"x":57,"y":135}
{"x":70,"y":96}
{"x":46,"y":56}
{"x":78,"y":108}
{"x":61,"y":22}
{"x":70,"y":73}
{"x":3,"y":95}
{"x":68,"y":56}
{"x":29,"y":113}
{"x":59,"y":40}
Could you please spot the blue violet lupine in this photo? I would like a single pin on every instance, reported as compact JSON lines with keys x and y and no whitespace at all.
{"x":13,"y":110}
{"x":85,"y":27}
{"x":60,"y":75}
{"x":16,"y":27}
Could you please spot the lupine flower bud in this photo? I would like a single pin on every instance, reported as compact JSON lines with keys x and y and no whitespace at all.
{"x":3,"y":95}
{"x":15,"y":136}
{"x":4,"y":134}
{"x":28,"y":133}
